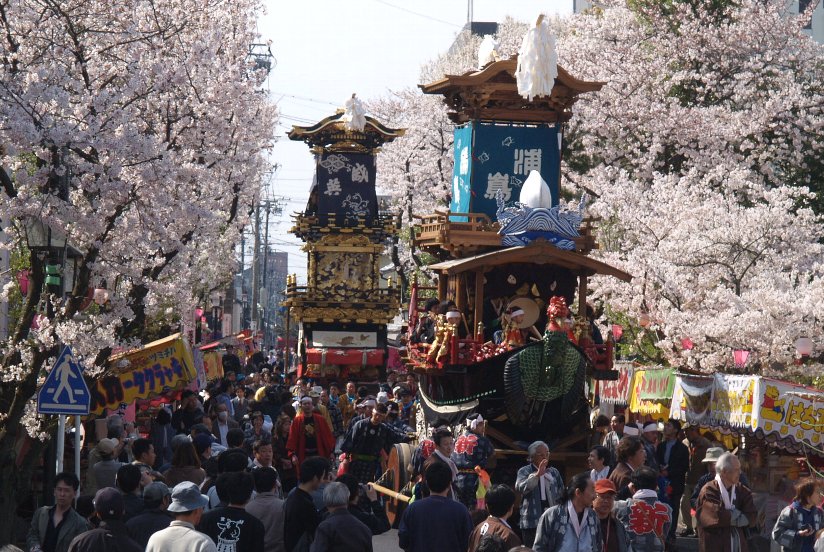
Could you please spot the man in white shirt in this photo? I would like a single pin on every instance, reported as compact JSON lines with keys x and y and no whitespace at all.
{"x":187,"y":508}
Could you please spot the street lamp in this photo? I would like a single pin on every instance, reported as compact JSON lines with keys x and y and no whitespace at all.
{"x":216,"y":298}
{"x":41,"y":237}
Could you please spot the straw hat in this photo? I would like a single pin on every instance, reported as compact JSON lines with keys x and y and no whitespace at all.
{"x":530,"y":308}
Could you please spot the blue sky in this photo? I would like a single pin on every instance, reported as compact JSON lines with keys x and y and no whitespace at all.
{"x":328,"y":49}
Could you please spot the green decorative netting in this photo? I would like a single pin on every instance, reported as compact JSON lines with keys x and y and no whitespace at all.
{"x":549,"y":372}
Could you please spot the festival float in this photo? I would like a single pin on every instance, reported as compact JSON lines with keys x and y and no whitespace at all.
{"x":344,"y":308}
{"x":513,"y":260}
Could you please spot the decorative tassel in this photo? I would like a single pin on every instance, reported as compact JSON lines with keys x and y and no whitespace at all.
{"x":354,"y":117}
{"x":537,"y":62}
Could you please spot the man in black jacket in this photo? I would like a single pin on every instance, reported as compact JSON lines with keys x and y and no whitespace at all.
{"x":155,"y":517}
{"x":301,"y":519}
{"x":111,"y":534}
{"x":673,"y":458}
{"x":340,"y":531}
{"x":370,"y":511}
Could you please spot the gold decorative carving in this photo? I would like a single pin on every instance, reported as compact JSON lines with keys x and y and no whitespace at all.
{"x":343,"y":315}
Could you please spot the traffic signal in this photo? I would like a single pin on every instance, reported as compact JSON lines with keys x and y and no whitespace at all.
{"x":53,"y":274}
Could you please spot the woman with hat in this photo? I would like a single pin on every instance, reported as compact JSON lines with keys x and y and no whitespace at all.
{"x":187,"y":508}
{"x":613,"y":533}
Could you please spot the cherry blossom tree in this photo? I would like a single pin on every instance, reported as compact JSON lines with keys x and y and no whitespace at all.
{"x":700,"y":152}
{"x":701,"y":149}
{"x":138,"y":130}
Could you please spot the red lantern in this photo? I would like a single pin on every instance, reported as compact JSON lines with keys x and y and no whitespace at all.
{"x":23,"y":282}
{"x":199,"y":312}
{"x":687,"y":344}
{"x":617,"y":331}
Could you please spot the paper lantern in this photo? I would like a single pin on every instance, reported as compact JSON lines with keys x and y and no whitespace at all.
{"x":740,"y":357}
{"x":804,"y":346}
{"x":617,"y":331}
{"x":687,"y":344}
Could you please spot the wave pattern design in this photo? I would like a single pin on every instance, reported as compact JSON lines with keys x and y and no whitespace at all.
{"x":522,"y":224}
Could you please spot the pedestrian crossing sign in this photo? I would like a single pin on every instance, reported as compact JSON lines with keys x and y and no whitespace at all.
{"x":64,"y":391}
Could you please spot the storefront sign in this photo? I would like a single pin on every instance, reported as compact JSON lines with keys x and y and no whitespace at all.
{"x":732,"y":400}
{"x":691,"y":398}
{"x":213,"y":364}
{"x":158,"y":367}
{"x":789,"y":411}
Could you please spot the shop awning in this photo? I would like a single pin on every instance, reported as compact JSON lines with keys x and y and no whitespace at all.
{"x":651,"y":391}
{"x":785,"y":414}
{"x":328,"y":355}
{"x":210,"y":346}
{"x":617,"y":391}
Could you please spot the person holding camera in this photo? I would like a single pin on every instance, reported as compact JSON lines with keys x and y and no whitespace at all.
{"x":797,"y":525}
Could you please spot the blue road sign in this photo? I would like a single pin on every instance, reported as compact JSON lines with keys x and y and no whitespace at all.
{"x":65,"y":390}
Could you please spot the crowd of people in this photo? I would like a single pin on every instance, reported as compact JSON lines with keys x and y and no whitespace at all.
{"x":248,"y":464}
{"x":261,"y":463}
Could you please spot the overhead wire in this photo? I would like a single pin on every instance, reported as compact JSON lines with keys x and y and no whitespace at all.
{"x":429,"y":17}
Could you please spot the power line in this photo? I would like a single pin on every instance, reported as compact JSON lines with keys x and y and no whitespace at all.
{"x":419,"y":14}
{"x":295,"y":96}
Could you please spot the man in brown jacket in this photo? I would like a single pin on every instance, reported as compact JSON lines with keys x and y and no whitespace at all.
{"x":500,"y":501}
{"x":724,"y":509}
{"x":698,"y":446}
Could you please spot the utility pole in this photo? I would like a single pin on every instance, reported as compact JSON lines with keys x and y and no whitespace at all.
{"x":242,"y":281}
{"x":256,"y":270}
{"x":265,"y":271}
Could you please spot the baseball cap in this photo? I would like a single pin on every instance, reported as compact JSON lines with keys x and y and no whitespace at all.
{"x":186,"y":497}
{"x":603,"y":486}
{"x":107,"y":446}
{"x":108,"y":503}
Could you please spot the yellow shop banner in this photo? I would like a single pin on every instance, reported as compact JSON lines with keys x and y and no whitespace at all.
{"x":160,"y":366}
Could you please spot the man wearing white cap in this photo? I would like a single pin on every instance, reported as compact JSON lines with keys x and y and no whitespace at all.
{"x":471,"y":449}
{"x":649,"y":437}
{"x":187,"y":508}
{"x":515,"y":334}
